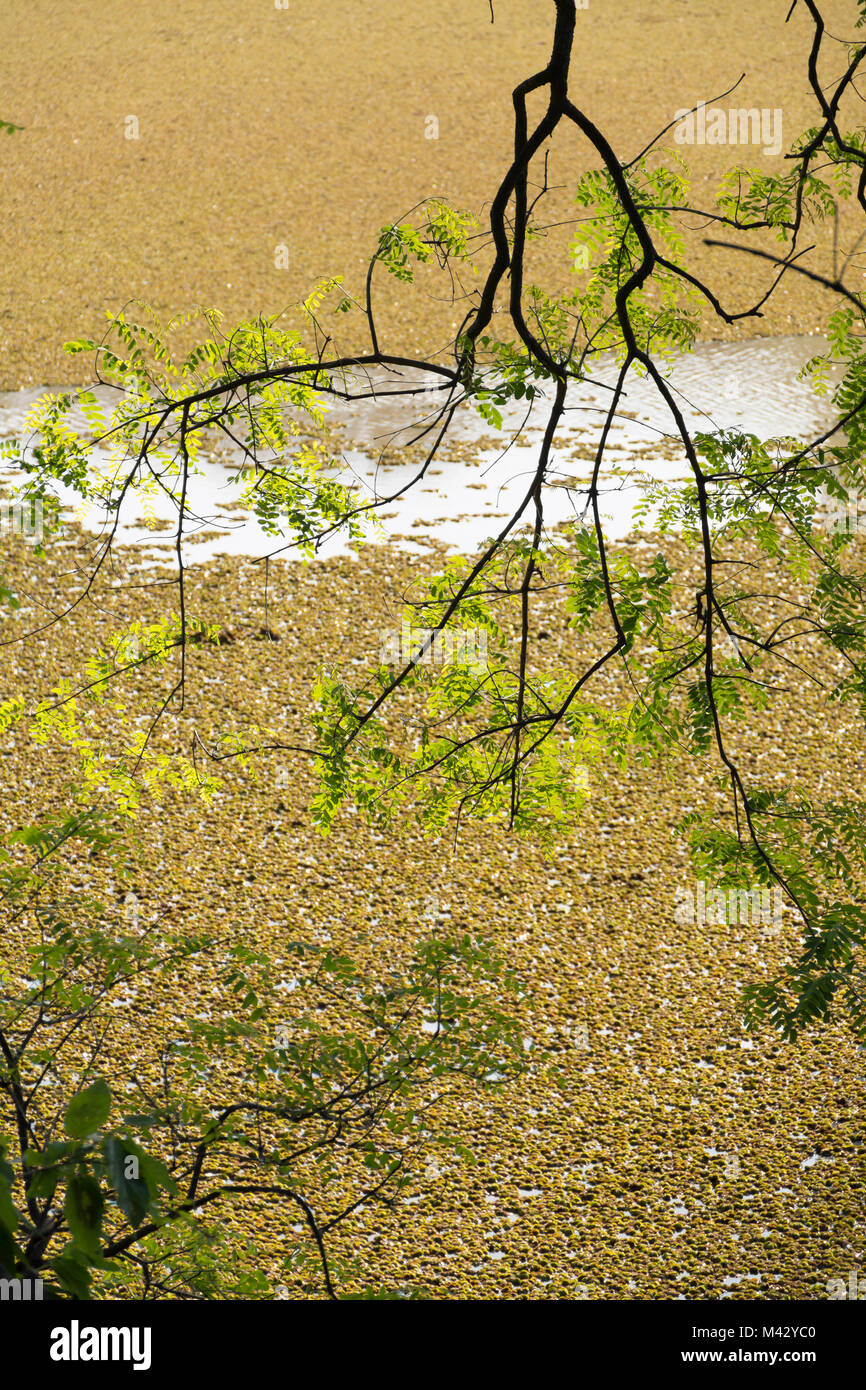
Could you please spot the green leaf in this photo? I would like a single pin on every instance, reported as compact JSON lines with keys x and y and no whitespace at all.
{"x":88,"y":1111}
{"x":83,"y":1210}
{"x":8,"y":1214}
{"x":133,"y":1192}
{"x":9,"y":1251}
{"x":156,"y":1175}
{"x":43,"y":1184}
{"x":71,"y":1273}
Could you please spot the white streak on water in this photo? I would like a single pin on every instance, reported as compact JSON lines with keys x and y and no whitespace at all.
{"x":750,"y":385}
